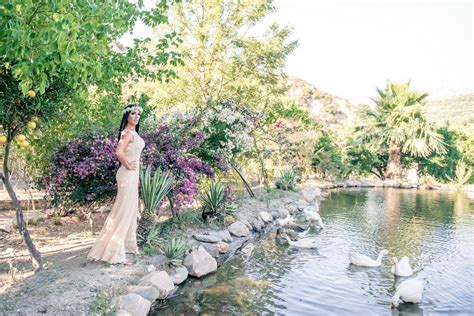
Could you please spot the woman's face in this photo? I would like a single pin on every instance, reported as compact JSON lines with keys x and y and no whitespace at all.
{"x":134,"y":117}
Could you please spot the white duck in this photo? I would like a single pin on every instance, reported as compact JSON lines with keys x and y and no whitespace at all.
{"x":401,"y":268}
{"x":361,"y":260}
{"x":304,"y":234}
{"x":307,"y":243}
{"x":312,"y":216}
{"x":292,"y":234}
{"x":409,"y":291}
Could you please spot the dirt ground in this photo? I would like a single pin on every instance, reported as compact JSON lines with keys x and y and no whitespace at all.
{"x":70,"y":282}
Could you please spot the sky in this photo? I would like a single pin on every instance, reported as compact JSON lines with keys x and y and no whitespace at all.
{"x":348,"y":48}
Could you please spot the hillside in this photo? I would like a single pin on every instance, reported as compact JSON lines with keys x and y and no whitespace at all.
{"x":333,"y":112}
{"x":339,"y":114}
{"x":458,"y":111}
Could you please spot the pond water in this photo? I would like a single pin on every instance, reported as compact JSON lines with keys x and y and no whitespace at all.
{"x":434,"y":229}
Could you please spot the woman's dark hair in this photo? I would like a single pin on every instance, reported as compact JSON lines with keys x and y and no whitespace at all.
{"x":124,"y":121}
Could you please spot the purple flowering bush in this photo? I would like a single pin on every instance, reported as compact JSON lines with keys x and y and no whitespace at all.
{"x":170,"y":150}
{"x":84,"y":169}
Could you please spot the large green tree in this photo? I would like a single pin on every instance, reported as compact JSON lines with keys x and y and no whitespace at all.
{"x":51,"y":51}
{"x":397,"y":122}
{"x":228,"y":54}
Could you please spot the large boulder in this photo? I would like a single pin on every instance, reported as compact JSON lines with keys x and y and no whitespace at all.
{"x":147,"y":292}
{"x":266,"y":217}
{"x":256,"y":223}
{"x":214,"y":236}
{"x":161,"y":281}
{"x":199,"y":262}
{"x":238,"y":229}
{"x":179,"y":274}
{"x":132,"y":303}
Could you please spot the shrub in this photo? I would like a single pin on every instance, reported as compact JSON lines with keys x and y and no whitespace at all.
{"x":174,"y":251}
{"x":327,"y":157}
{"x":154,"y":190}
{"x":171,"y":151}
{"x":84,"y":169}
{"x":150,"y":238}
{"x":287,"y":180}
{"x":217,"y":201}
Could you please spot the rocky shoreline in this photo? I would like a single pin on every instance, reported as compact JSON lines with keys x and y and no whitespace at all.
{"x":74,"y":286}
{"x":209,"y":249}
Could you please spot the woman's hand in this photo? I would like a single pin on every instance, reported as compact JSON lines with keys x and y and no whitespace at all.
{"x":132,"y":165}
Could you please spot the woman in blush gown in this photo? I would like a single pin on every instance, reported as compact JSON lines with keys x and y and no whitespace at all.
{"x":118,"y":235}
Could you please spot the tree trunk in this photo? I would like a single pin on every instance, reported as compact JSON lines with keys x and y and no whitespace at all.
{"x":262,"y":165}
{"x":394,"y":167}
{"x":247,"y":186}
{"x":19,"y":212}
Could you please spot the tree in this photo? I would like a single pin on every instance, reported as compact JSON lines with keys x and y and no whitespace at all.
{"x":53,"y":51}
{"x":397,"y":122}
{"x":327,"y":157}
{"x":225,"y":57}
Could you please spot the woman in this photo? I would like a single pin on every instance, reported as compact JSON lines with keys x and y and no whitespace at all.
{"x":118,"y":235}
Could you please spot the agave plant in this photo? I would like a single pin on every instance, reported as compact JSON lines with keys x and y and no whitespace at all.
{"x":174,"y":251}
{"x":154,"y":190}
{"x":150,"y":238}
{"x":287,"y":180}
{"x":212,"y":199}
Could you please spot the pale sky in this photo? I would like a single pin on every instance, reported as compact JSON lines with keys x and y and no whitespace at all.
{"x":348,"y":48}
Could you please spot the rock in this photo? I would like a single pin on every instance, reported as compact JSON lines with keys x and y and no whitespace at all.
{"x":275,"y":214}
{"x":161,"y":281}
{"x":212,"y":249}
{"x":147,"y":292}
{"x":238,"y":229}
{"x":292,"y":209}
{"x":199,"y":262}
{"x":122,"y":312}
{"x":206,"y":237}
{"x":257,"y":223}
{"x":287,"y":200}
{"x":283,"y":212}
{"x":308,"y":196}
{"x":266,"y":217}
{"x":158,"y":261}
{"x":366,"y":184}
{"x":224,"y":235}
{"x":133,"y":304}
{"x":150,"y":268}
{"x":301,"y":205}
{"x":247,"y":249}
{"x":179,"y":274}
{"x":222,"y":247}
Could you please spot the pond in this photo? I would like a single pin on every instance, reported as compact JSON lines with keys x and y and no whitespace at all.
{"x":434,"y":229}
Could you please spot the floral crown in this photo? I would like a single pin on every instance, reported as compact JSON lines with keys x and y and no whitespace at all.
{"x":133,"y":108}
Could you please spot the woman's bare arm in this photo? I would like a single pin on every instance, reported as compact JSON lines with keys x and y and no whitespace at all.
{"x":125,"y":139}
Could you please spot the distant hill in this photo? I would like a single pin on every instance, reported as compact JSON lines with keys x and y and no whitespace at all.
{"x":332,"y":111}
{"x":458,"y":111}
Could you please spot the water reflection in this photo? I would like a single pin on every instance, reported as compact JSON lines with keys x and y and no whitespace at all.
{"x":433,"y":228}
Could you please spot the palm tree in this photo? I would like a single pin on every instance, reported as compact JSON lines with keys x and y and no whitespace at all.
{"x":397,"y":121}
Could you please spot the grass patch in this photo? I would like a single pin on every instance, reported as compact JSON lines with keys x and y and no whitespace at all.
{"x":102,"y":305}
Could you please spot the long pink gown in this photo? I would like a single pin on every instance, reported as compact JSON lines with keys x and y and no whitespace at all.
{"x":118,"y":235}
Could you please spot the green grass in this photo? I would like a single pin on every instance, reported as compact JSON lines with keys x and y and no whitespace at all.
{"x":102,"y":305}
